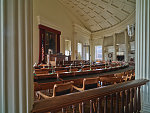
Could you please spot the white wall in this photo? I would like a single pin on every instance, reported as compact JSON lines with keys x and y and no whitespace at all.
{"x":52,"y":14}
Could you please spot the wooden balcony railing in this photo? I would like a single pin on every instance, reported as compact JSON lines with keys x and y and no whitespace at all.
{"x":122,"y":98}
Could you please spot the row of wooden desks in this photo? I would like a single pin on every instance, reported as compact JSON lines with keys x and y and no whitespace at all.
{"x":66,"y":68}
{"x":48,"y":80}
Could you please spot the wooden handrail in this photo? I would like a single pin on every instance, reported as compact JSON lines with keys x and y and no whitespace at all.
{"x":60,"y":102}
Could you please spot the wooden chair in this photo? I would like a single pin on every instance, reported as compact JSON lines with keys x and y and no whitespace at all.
{"x":122,"y":75}
{"x":109,"y":80}
{"x":88,"y":83}
{"x":129,"y":74}
{"x":59,"y":89}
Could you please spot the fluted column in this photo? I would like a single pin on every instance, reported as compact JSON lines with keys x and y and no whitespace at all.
{"x":103,"y":51}
{"x":127,"y":46}
{"x":142,"y":54}
{"x":16,"y":80}
{"x":74,"y":46}
{"x":115,"y":51}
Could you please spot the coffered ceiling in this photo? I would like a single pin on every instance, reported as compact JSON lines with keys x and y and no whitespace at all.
{"x":98,"y":15}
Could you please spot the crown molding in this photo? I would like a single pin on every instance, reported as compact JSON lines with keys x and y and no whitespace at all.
{"x":44,"y":21}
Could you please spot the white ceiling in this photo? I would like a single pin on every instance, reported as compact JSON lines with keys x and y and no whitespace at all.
{"x":98,"y":15}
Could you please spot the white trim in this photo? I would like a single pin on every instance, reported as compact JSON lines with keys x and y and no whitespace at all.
{"x":44,"y":21}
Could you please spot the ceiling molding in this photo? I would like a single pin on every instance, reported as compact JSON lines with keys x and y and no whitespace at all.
{"x":101,"y":14}
{"x":117,"y":28}
{"x":44,"y":21}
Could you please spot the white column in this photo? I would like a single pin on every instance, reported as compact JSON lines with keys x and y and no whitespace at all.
{"x":126,"y":45}
{"x":115,"y":49}
{"x":142,"y":54}
{"x":103,"y":52}
{"x":73,"y":57}
{"x":91,"y":48}
{"x":16,"y":80}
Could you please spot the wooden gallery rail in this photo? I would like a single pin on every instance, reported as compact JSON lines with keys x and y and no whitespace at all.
{"x":123,"y":97}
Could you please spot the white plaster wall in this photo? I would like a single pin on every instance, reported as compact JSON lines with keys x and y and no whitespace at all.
{"x":52,"y":14}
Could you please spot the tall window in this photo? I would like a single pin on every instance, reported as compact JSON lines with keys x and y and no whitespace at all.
{"x":67,"y":47}
{"x":98,"y":52}
{"x":79,"y":51}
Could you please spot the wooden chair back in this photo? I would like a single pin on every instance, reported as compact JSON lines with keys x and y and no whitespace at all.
{"x":129,"y":74}
{"x":109,"y":80}
{"x":119,"y":75}
{"x":89,"y":83}
{"x":61,"y":89}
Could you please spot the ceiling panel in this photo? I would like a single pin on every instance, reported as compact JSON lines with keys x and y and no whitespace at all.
{"x":100,"y":14}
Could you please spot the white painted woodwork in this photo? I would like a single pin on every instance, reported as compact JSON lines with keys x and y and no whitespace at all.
{"x":16,"y":79}
{"x":126,"y":46}
{"x":142,"y":54}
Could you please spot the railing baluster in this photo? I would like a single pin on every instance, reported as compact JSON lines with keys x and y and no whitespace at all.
{"x":98,"y":105}
{"x":117,"y":102}
{"x":105,"y":105}
{"x":91,"y":106}
{"x":63,"y":110}
{"x":122,"y":102}
{"x":82,"y":107}
{"x":127,"y":102}
{"x":74,"y":108}
{"x":135,"y":100}
{"x":131,"y":101}
{"x":139,"y":100}
{"x":111,"y":105}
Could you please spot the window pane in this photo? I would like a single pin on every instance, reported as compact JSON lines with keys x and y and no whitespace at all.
{"x":98,"y":52}
{"x":79,"y":51}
